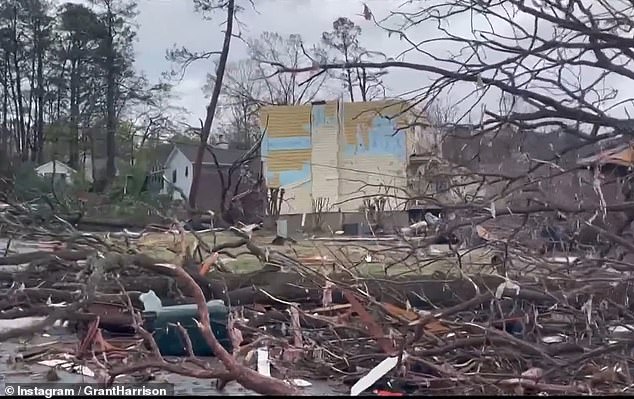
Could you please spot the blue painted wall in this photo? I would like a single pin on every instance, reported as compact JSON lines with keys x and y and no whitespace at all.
{"x":318,"y":115}
{"x":288,"y":143}
{"x":272,"y":145}
{"x":264,"y":147}
{"x":382,"y":141}
{"x":292,"y":176}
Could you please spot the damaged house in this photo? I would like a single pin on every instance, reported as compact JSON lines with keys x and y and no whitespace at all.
{"x":512,"y":169}
{"x":334,"y":157}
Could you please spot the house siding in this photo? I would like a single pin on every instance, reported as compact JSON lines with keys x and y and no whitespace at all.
{"x":59,"y":168}
{"x":338,"y":151}
{"x":288,"y":144}
{"x":325,"y":152}
{"x":177,"y":161}
{"x":374,"y":156}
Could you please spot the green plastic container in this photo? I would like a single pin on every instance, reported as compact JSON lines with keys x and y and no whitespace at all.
{"x":162,"y":323}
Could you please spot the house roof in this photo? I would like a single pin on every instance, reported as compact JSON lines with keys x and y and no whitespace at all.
{"x":224,"y":156}
{"x":162,"y":151}
{"x":58,"y":164}
{"x":210,"y":194}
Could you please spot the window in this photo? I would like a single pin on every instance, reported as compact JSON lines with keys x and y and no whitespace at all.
{"x":55,"y":177}
{"x":186,"y":171}
{"x":174,"y":176}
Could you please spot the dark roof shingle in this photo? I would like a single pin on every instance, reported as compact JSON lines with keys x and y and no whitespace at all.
{"x":224,"y":156}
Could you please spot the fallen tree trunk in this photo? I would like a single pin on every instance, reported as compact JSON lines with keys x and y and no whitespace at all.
{"x":42,"y":295}
{"x":88,"y":222}
{"x":247,"y":377}
{"x":269,"y":288}
{"x":20,"y":259}
{"x":276,"y":317}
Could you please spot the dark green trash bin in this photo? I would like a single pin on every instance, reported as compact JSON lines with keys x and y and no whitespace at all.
{"x":162,"y":324}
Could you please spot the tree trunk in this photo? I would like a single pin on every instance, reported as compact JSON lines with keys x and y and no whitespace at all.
{"x":6,"y":151}
{"x":111,"y":117}
{"x":37,"y":95}
{"x":74,"y":115}
{"x":39,"y":132}
{"x":30,"y":138}
{"x":363,"y":83}
{"x":19,"y":106}
{"x":211,"y":108}
{"x":348,"y":73}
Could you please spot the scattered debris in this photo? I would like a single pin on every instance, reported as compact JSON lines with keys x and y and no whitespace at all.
{"x":67,"y":364}
{"x":374,"y":375}
{"x":264,"y":366}
{"x":21,"y":323}
{"x":300,"y":383}
{"x":547,"y":325}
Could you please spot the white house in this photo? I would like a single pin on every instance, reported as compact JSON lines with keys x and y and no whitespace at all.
{"x":178,"y":171}
{"x":179,"y":166}
{"x":56,"y":170}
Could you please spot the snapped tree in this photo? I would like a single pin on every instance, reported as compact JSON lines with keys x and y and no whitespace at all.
{"x":230,"y":8}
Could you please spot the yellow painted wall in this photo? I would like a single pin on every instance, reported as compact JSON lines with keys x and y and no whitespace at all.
{"x":286,"y":120}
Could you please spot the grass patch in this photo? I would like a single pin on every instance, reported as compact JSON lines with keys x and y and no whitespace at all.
{"x":350,"y":254}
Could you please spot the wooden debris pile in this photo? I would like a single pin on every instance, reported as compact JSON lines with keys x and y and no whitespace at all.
{"x":565,"y":327}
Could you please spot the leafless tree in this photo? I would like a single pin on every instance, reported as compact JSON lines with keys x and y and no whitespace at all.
{"x":343,"y":43}
{"x":289,"y":89}
{"x":248,"y":86}
{"x":230,"y":8}
{"x":241,"y":96}
{"x":518,"y":70}
{"x":533,"y":53}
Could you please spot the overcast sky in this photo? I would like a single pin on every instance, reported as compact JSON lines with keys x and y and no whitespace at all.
{"x":163,"y":23}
